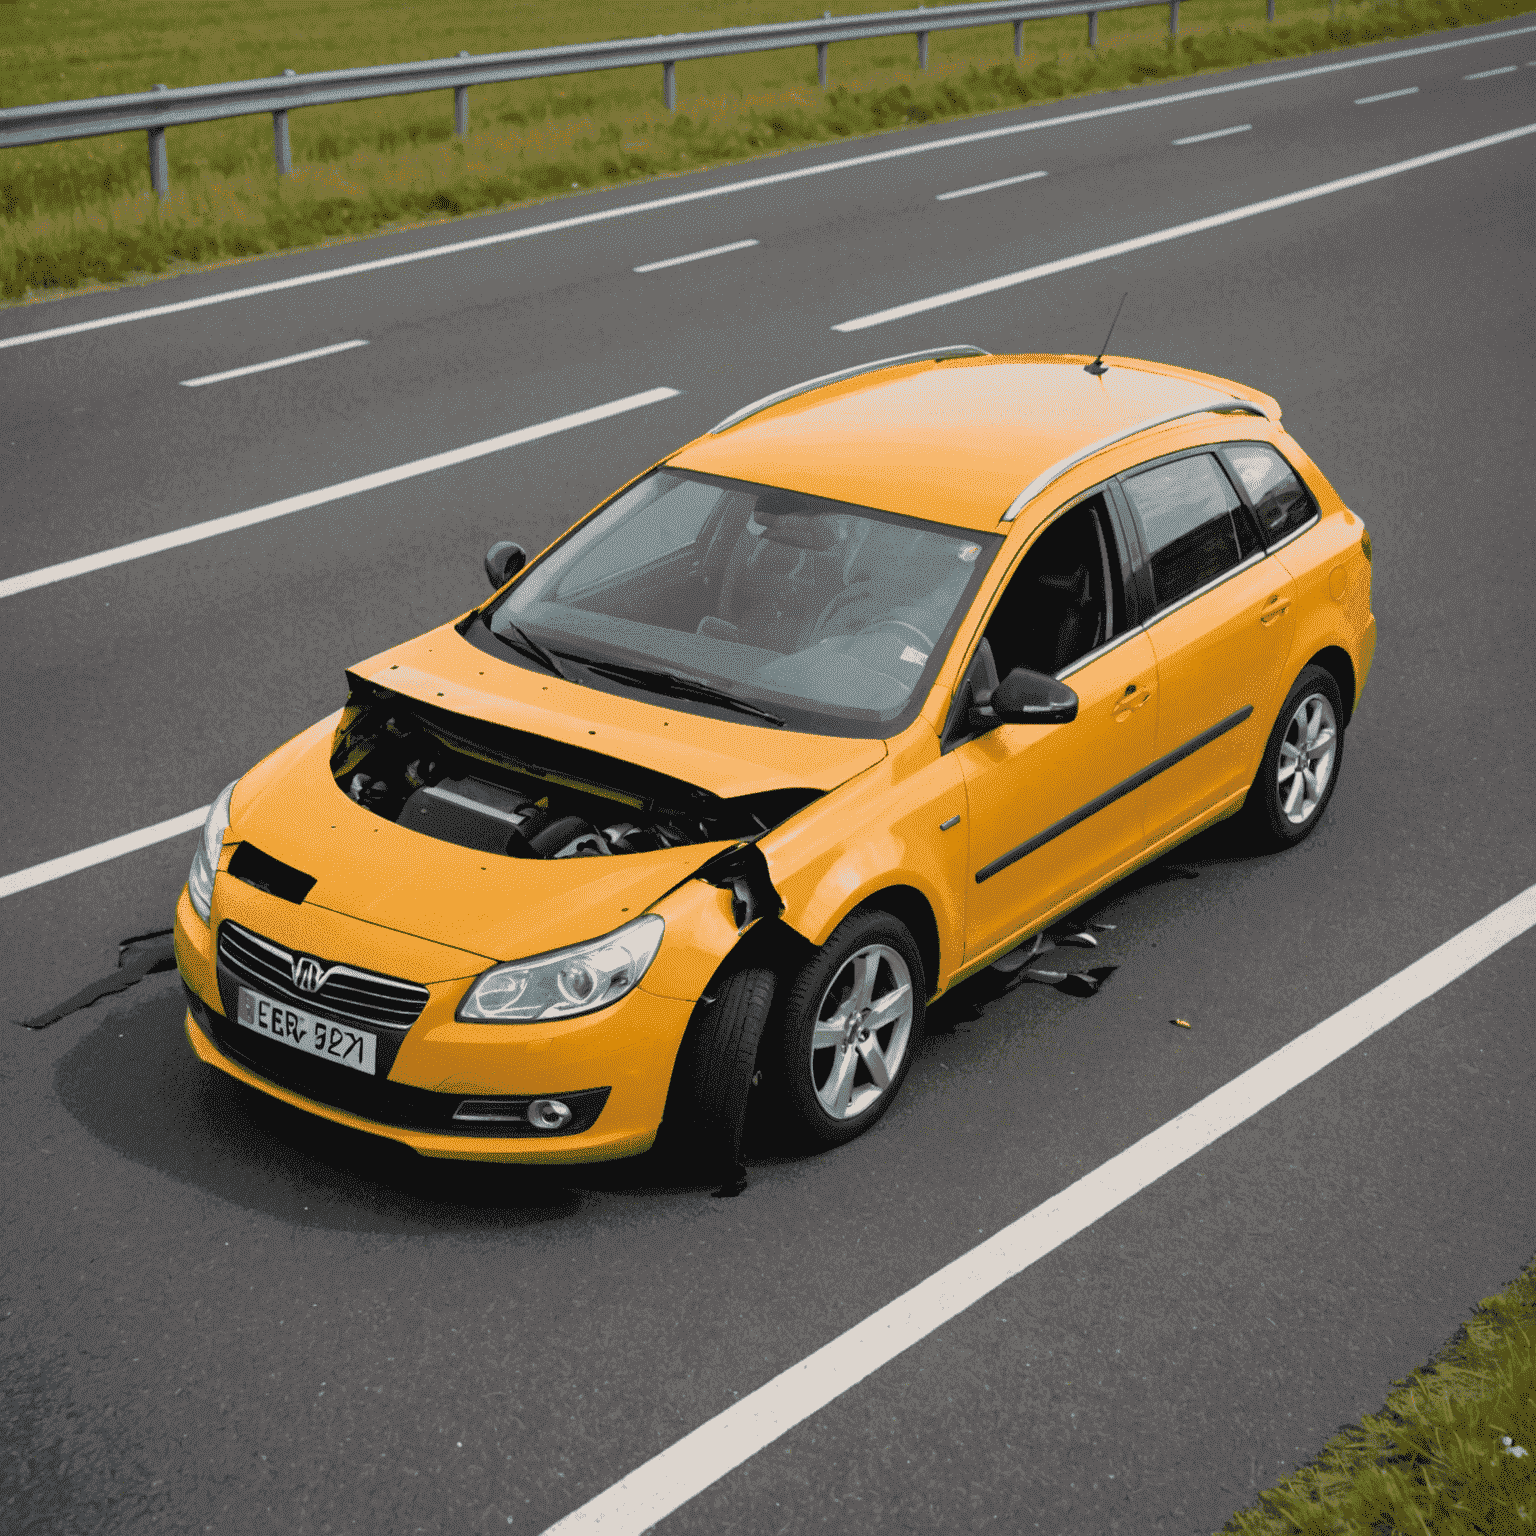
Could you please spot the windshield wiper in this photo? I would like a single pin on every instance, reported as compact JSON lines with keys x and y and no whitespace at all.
{"x":679,"y":686}
{"x":529,"y":647}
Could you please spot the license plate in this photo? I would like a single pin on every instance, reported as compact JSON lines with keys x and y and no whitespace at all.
{"x":302,"y":1031}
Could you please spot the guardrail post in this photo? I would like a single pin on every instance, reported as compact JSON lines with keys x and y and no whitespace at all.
{"x":821,"y":65}
{"x":669,"y":85}
{"x":1173,"y":18}
{"x":461,"y":104}
{"x":1093,"y":29}
{"x":1018,"y":39}
{"x":922,"y":50}
{"x":281,"y":150}
{"x":159,"y":166}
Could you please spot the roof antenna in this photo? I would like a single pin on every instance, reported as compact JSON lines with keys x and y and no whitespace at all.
{"x":1098,"y":367}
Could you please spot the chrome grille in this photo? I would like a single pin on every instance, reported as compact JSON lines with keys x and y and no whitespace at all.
{"x":360,"y":997}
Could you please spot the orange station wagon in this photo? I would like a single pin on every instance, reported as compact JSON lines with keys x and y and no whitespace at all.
{"x":844,"y":701}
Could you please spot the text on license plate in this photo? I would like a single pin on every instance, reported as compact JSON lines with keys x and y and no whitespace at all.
{"x":302,"y":1031}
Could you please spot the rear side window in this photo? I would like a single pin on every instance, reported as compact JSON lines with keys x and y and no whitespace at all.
{"x":1275,"y":489}
{"x":1193,"y":521}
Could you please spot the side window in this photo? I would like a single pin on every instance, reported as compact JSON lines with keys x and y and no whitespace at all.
{"x":1065,"y":599}
{"x":1194,"y":523}
{"x":1275,"y":489}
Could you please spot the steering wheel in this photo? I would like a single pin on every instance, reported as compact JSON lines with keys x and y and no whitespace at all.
{"x":869,"y":629}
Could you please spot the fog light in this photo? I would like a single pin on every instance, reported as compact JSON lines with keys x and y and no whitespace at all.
{"x":549,"y":1114}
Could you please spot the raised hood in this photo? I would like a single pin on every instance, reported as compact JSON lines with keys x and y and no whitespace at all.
{"x":291,"y":809}
{"x":728,"y":759}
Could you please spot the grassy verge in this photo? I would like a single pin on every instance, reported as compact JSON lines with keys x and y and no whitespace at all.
{"x":82,"y":213}
{"x":1453,"y":1452}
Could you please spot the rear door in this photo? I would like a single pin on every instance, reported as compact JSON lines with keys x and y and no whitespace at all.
{"x":1221,"y":625}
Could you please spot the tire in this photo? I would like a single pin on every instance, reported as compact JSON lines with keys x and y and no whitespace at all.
{"x":830,"y":1060}
{"x":1284,"y":805}
{"x":707,"y":1107}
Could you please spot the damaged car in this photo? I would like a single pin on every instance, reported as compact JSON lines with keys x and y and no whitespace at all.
{"x":837,"y":705}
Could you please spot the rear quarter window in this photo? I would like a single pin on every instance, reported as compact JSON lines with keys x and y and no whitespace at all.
{"x":1281,"y":502}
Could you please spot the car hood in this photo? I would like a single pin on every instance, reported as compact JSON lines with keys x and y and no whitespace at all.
{"x":727,"y":758}
{"x":498,"y":908}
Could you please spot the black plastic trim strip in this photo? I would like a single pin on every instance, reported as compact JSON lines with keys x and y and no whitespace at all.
{"x":1093,"y":807}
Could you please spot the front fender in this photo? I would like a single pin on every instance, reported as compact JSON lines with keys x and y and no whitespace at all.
{"x":879,"y":831}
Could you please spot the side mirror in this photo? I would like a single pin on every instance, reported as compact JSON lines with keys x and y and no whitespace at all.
{"x":503,"y":561}
{"x":1028,"y":698}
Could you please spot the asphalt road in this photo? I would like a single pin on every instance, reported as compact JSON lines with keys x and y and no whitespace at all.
{"x":216,"y":1315}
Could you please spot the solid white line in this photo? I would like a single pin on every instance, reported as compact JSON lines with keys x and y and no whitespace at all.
{"x":989,"y":186}
{"x":1487,"y":74}
{"x":1219,"y":133}
{"x":277,"y":362}
{"x":677,"y":261}
{"x":578,"y":220}
{"x":1176,"y":232}
{"x":114,"y":848}
{"x":217,"y":525}
{"x":670,"y":1479}
{"x":1365,"y":101}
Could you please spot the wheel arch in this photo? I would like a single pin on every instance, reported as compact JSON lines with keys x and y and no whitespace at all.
{"x":1335,"y":660}
{"x":910,"y":907}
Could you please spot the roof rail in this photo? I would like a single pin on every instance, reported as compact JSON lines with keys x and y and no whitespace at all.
{"x":931,"y":355}
{"x":1058,"y":469}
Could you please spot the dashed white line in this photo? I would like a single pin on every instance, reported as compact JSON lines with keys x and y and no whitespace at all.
{"x":677,"y":261}
{"x":1218,"y":133}
{"x":277,"y":362}
{"x":1176,"y":232}
{"x":670,"y":1479}
{"x":774,"y":179}
{"x":113,"y":848}
{"x":1365,"y":101}
{"x":989,"y":186}
{"x":1488,"y":74}
{"x":160,"y":542}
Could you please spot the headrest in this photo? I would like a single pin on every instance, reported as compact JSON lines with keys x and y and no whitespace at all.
{"x":797,"y":531}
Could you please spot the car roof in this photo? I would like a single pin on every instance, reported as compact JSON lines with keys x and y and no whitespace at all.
{"x":954,"y":440}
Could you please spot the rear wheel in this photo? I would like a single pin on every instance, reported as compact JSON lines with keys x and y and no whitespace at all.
{"x":1300,"y":765}
{"x":852,"y":1021}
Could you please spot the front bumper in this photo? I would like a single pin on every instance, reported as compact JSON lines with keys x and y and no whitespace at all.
{"x":628,"y":1050}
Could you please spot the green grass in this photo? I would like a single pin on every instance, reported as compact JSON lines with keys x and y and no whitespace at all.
{"x":82,"y":212}
{"x":1434,"y":1461}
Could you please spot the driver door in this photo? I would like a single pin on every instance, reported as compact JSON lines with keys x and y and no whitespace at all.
{"x":1052,"y":809}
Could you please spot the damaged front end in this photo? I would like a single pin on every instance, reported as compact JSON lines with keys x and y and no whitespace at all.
{"x":518,"y":795}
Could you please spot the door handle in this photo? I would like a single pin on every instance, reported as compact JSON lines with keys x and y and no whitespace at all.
{"x":1274,"y":608}
{"x":1132,"y":699}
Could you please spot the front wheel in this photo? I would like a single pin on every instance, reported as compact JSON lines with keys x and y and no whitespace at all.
{"x":1300,"y":765}
{"x":852,"y":1021}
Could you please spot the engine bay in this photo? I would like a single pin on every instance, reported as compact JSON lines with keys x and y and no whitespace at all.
{"x":507,"y":792}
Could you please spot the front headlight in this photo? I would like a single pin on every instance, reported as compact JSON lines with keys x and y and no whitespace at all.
{"x":205,"y":862}
{"x":566,"y":982}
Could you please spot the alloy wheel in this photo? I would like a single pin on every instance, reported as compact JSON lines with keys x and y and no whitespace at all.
{"x":863,"y":1027}
{"x":1306,"y":759}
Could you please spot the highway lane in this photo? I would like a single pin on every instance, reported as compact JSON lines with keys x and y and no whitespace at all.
{"x":616,"y":1314}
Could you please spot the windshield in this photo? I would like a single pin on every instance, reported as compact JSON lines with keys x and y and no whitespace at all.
{"x":819,"y":615}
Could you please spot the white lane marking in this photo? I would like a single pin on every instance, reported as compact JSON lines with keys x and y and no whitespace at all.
{"x":1487,"y":74}
{"x":277,"y":362}
{"x":1365,"y":101}
{"x":677,"y":261}
{"x":1219,"y":133}
{"x":670,"y":1479}
{"x":1176,"y":232}
{"x":113,"y":848}
{"x":578,"y":220}
{"x":989,"y":186}
{"x":160,"y":542}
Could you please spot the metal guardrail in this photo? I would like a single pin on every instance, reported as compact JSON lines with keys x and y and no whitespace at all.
{"x":155,"y":110}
